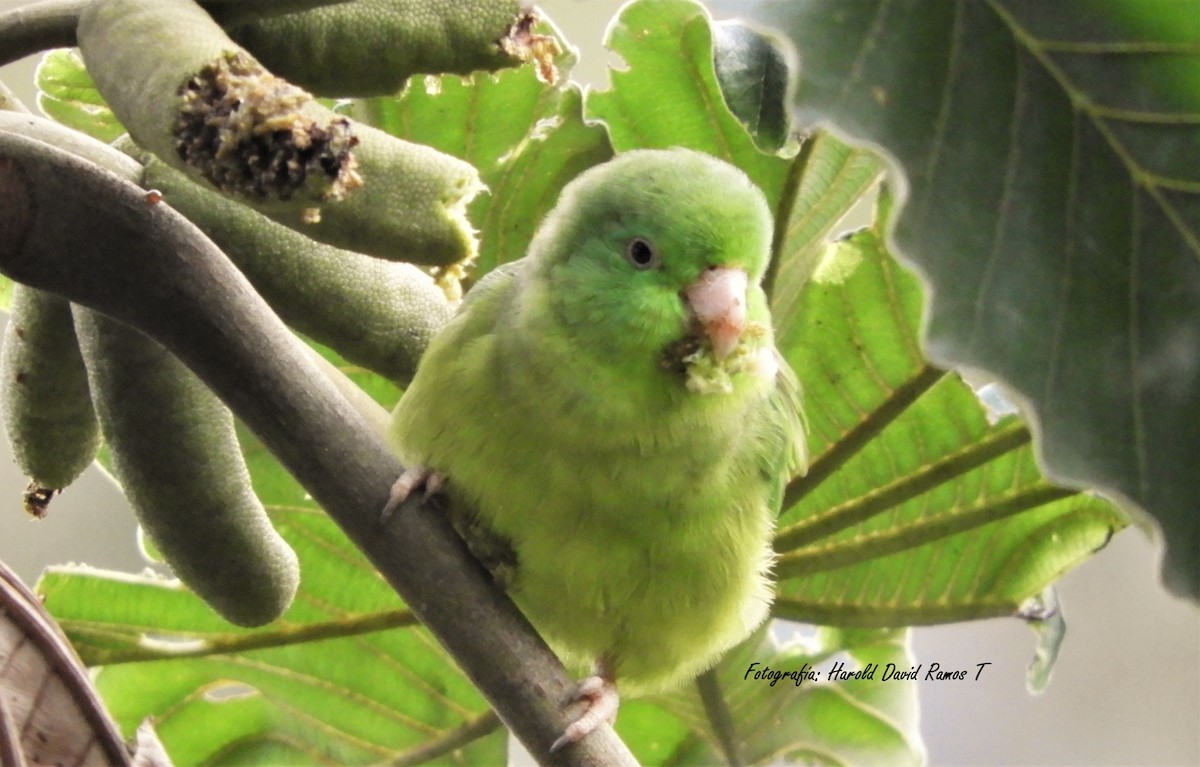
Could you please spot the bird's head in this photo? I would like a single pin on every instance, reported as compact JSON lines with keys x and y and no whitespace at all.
{"x":655,"y":258}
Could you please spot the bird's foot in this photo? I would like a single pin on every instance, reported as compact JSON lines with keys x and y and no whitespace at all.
{"x":598,"y":697}
{"x":408,"y":481}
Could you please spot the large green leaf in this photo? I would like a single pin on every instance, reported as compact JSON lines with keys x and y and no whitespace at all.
{"x":828,"y":179}
{"x":67,"y":93}
{"x":668,"y":95}
{"x":526,"y":139}
{"x":1052,"y":158}
{"x":756,"y":79}
{"x":939,"y":515}
{"x":330,"y":679}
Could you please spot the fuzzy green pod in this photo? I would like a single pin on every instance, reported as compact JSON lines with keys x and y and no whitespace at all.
{"x":176,"y":455}
{"x":190,"y":95}
{"x":371,"y":47}
{"x":375,"y":313}
{"x":44,"y":394}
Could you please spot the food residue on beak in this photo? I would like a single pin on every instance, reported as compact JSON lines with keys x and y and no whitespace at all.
{"x":718,"y":301}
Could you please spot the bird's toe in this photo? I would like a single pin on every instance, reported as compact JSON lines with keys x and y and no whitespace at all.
{"x":408,"y":481}
{"x":597,"y":695}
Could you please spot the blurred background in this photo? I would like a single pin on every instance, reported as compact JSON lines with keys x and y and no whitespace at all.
{"x":1126,"y":690}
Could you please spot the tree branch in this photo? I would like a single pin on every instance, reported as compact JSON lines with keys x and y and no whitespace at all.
{"x":68,"y":227}
{"x":29,"y":29}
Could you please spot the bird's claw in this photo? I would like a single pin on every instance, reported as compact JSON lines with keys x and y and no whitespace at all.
{"x":410,"y":479}
{"x":598,"y":696}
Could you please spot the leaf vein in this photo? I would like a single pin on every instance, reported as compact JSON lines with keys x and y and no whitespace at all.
{"x":1070,"y":242}
{"x":346,"y":693}
{"x":938,"y":142}
{"x":1081,"y":104}
{"x":1133,"y":305}
{"x":855,"y":75}
{"x":1011,"y":165}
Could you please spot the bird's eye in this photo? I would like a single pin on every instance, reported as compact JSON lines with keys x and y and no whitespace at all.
{"x":641,"y":254}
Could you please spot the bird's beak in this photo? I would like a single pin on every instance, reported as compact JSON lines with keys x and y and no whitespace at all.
{"x":717,"y":300}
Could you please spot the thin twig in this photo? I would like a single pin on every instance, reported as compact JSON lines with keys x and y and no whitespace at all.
{"x":719,"y":716}
{"x":466,"y":734}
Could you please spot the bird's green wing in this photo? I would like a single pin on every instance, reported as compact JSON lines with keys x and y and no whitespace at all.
{"x":499,"y":280}
{"x":477,"y":315}
{"x":444,"y":395}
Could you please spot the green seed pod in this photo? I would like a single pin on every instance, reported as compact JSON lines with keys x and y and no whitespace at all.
{"x":371,"y":47}
{"x":375,"y":313}
{"x":44,"y":395}
{"x":208,"y":107}
{"x":175,"y":453}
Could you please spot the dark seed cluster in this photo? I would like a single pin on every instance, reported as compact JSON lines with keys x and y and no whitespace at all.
{"x":244,"y":130}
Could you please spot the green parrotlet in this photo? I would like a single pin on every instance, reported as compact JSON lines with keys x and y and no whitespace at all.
{"x":614,"y":413}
